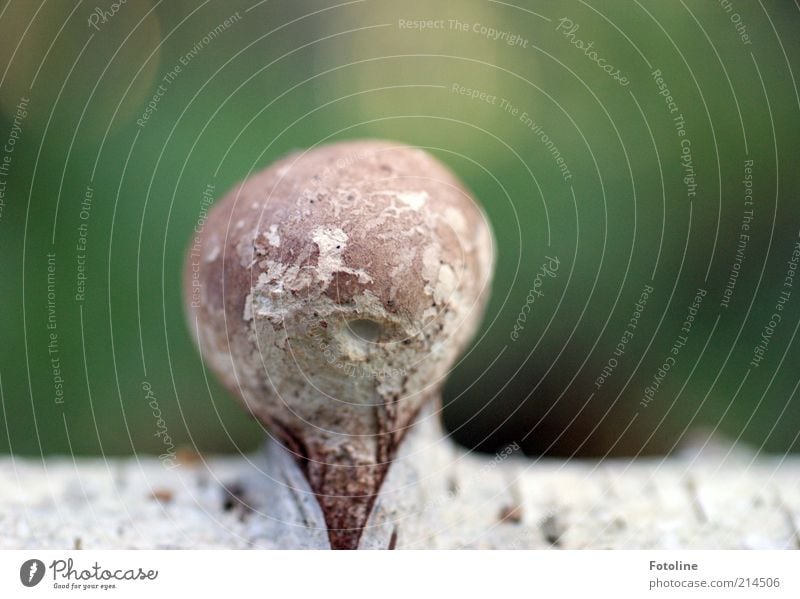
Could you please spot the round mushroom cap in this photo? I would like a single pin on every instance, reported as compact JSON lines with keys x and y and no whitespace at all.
{"x":333,"y":291}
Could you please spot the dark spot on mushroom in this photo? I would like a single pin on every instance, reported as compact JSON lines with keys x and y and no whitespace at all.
{"x":162,"y":495}
{"x":552,"y":530}
{"x":386,"y":167}
{"x":511,"y":514}
{"x":365,"y":329}
{"x":234,"y":500}
{"x":233,"y":494}
{"x":452,"y":486}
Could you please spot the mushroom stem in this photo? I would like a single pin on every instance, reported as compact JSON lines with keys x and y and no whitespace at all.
{"x":346,"y":514}
{"x":346,"y":473}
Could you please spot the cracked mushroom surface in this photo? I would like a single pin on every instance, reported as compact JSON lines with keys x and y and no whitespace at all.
{"x":332,"y":292}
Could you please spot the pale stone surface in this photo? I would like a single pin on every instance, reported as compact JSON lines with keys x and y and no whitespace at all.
{"x":436,"y":496}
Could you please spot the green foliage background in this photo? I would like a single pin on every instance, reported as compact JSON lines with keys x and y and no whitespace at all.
{"x":289,"y":75}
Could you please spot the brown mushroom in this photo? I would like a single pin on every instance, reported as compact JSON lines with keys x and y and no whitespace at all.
{"x":332,"y":292}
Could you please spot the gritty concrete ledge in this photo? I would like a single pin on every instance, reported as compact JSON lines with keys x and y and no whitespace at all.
{"x":436,"y":496}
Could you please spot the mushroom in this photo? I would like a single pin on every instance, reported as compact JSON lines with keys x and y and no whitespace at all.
{"x":331,"y":293}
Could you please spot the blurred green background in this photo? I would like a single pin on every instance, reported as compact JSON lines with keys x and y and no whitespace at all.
{"x":282,"y":75}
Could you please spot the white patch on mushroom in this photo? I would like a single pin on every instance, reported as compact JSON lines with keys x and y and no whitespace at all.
{"x":273,"y":237}
{"x":404,"y":261}
{"x":267,"y":295}
{"x":274,"y":271}
{"x":413,"y":199}
{"x":246,"y":250}
{"x":429,"y":314}
{"x":248,"y":307}
{"x":456,"y":219}
{"x":446,"y":284}
{"x":331,"y":242}
{"x":430,"y":267}
{"x":214,"y":249}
